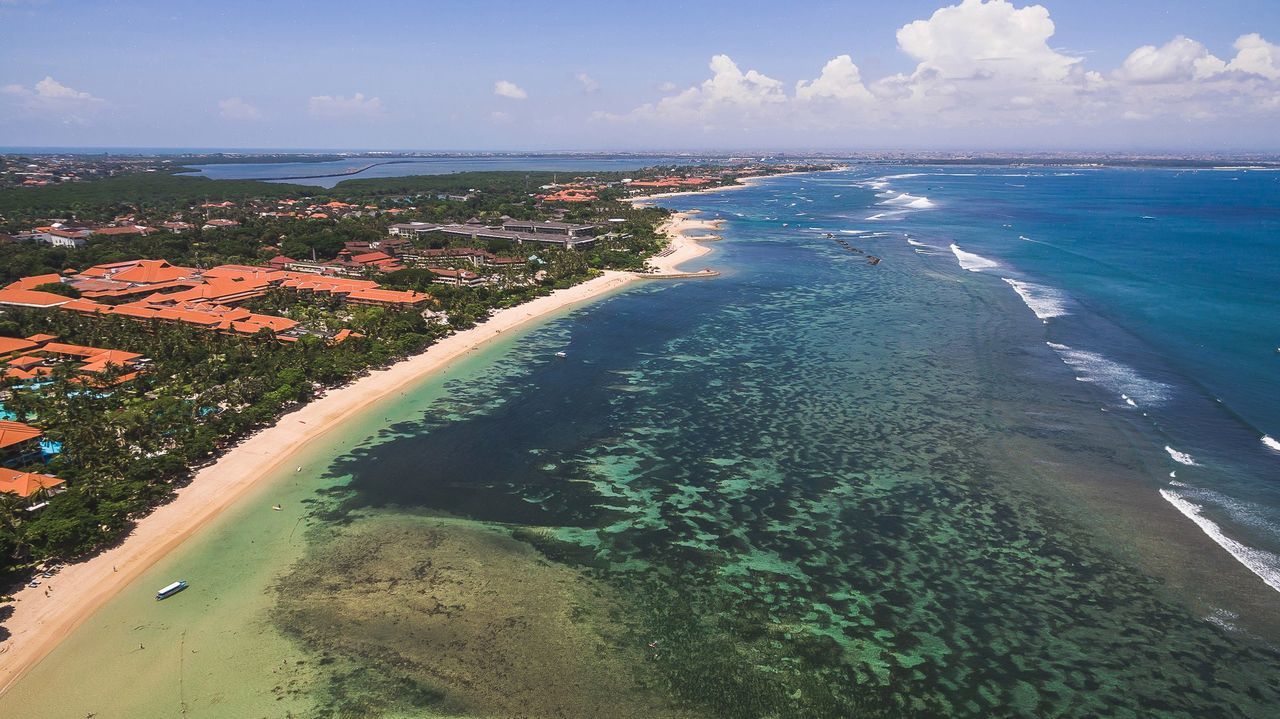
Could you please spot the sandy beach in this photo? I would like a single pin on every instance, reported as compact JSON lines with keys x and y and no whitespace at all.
{"x":40,"y":622}
{"x":687,"y":235}
{"x":743,"y":183}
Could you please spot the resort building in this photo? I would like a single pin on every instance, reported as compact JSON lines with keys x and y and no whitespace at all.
{"x":30,"y":486}
{"x":555,"y":229}
{"x":123,"y":231}
{"x":19,"y":443}
{"x":62,"y":235}
{"x":550,"y":233}
{"x":38,"y":355}
{"x":412,"y":229}
{"x":459,"y":278}
{"x":31,"y":298}
{"x":570,"y":195}
{"x":147,"y":290}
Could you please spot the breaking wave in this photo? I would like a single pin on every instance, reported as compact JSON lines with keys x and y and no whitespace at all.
{"x":971,"y":262}
{"x":1044,"y":301}
{"x":1262,"y":563}
{"x":1270,"y":443}
{"x":1181,"y":457}
{"x":1119,"y":378}
{"x":914,"y":202}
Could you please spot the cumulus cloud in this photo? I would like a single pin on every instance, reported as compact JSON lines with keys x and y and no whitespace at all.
{"x":730,"y":95}
{"x":233,"y":108}
{"x":339,"y":107}
{"x":986,"y":40}
{"x":50,"y":98}
{"x":840,"y":80}
{"x":508,"y":89}
{"x":589,"y":84}
{"x":1256,"y":56}
{"x":981,"y":63}
{"x":1179,"y":60}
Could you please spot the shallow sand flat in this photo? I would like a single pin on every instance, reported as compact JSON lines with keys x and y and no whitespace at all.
{"x":451,"y":616}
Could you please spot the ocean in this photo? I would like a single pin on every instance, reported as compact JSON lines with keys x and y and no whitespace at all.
{"x":1018,"y":467}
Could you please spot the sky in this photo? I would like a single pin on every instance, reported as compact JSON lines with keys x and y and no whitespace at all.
{"x":1137,"y":76}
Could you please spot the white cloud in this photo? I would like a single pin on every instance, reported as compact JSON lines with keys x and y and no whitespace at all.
{"x":589,"y":84}
{"x":233,"y":108}
{"x":50,"y":98}
{"x":986,"y":40}
{"x":729,"y":96}
{"x":840,"y":80}
{"x":1179,"y":60}
{"x":506,"y":88}
{"x":1256,"y":57}
{"x":981,"y":64}
{"x":668,"y":87}
{"x":52,"y":89}
{"x":339,"y":107}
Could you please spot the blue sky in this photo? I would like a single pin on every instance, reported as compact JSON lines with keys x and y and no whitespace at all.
{"x":980,"y":74}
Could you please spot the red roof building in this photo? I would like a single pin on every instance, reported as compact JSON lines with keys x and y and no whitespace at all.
{"x":29,"y":484}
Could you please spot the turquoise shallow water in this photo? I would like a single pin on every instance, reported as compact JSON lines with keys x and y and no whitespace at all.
{"x":873,"y":487}
{"x":811,"y":487}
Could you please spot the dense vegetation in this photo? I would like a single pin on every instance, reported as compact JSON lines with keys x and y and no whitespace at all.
{"x":140,"y":190}
{"x":127,"y":448}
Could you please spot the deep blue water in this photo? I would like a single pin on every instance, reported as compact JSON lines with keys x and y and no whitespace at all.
{"x":832,"y":486}
{"x":1157,"y":287}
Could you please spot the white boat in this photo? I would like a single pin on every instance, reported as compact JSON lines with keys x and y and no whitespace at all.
{"x":171,"y":590}
{"x":561,"y":355}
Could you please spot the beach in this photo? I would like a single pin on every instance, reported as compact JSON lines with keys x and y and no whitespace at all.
{"x":687,"y":234}
{"x":39,"y":621}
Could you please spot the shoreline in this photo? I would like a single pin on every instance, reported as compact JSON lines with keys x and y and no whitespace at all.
{"x":683,"y":247}
{"x":38,"y":624}
{"x":37,"y":627}
{"x":743,"y":183}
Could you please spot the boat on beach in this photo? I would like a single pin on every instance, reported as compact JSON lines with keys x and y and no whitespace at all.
{"x":171,"y":589}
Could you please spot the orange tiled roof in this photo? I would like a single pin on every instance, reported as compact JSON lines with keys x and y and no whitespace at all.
{"x":127,"y":230}
{"x":389,"y":297}
{"x":30,"y":283}
{"x":31,"y":298}
{"x":12,"y":433}
{"x":148,"y":272}
{"x":15,"y":344}
{"x":26,"y":484}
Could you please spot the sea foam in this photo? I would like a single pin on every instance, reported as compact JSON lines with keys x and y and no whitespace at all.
{"x":1262,"y":563}
{"x":914,"y":202}
{"x":1119,"y":378}
{"x":1270,"y":443}
{"x":1181,"y":457}
{"x":1044,"y":301}
{"x":971,"y":262}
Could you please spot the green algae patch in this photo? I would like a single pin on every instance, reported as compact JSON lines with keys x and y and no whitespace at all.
{"x":425,"y":616}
